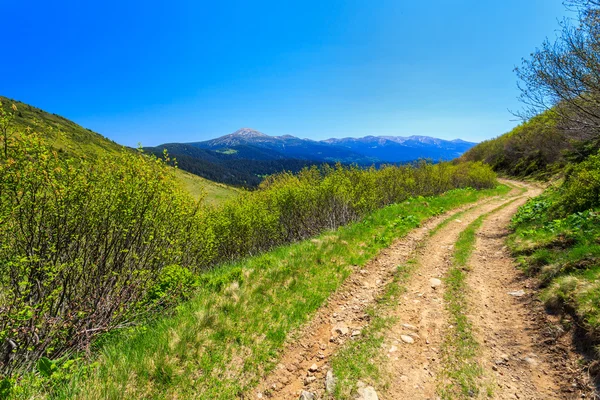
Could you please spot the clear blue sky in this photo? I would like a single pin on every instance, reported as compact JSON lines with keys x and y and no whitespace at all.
{"x":166,"y":71}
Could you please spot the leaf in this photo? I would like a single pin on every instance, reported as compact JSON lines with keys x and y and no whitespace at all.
{"x":45,"y":366}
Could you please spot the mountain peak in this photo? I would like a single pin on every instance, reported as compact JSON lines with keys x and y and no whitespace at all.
{"x":248,"y":133}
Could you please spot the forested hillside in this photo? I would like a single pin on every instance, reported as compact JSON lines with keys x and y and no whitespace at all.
{"x":536,"y":148}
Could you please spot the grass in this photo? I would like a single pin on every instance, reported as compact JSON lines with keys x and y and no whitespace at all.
{"x":219,"y":344}
{"x":214,"y":193}
{"x":461,"y":371}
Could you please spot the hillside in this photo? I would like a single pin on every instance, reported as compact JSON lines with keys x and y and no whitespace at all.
{"x":244,"y":166}
{"x":70,"y":138}
{"x":537,"y":147}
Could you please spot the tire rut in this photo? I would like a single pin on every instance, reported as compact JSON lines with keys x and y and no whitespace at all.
{"x":415,"y":367}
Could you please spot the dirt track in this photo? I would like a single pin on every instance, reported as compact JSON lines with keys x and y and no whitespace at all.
{"x":503,"y":324}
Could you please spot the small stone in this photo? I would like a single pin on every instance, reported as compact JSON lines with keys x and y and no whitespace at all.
{"x":355,"y":333}
{"x":517,"y":293}
{"x":434,"y":282}
{"x":367,"y":393}
{"x":340,"y":329}
{"x":530,"y":361}
{"x":310,"y":379}
{"x":393,"y":349}
{"x":410,"y":327}
{"x":404,"y":378}
{"x":304,"y":395}
{"x":259,"y":395}
{"x":330,"y":382}
{"x":407,"y":339}
{"x":313,"y":368}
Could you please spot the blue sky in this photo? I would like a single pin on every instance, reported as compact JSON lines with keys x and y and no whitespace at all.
{"x":180,"y":71}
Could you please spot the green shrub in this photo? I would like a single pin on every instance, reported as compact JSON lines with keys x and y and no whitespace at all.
{"x":581,"y":189}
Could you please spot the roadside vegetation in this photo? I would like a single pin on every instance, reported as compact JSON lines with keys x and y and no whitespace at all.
{"x":221,"y":342}
{"x":98,"y":245}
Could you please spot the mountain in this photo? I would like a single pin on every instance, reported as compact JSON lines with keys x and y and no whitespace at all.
{"x":70,"y":138}
{"x":367,"y":150}
{"x":402,"y":149}
{"x":253,"y":144}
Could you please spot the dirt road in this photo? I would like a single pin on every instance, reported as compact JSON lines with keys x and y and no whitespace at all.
{"x":513,"y":362}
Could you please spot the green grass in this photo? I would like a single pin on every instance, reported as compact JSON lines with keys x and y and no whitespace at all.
{"x":219,"y":344}
{"x":227,"y":151}
{"x":214,"y":193}
{"x":463,"y":375}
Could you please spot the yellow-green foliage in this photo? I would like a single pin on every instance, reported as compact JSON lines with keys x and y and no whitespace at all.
{"x":81,"y":243}
{"x":535,"y":148}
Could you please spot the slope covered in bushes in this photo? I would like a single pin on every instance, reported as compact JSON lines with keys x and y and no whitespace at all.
{"x":535,"y":148}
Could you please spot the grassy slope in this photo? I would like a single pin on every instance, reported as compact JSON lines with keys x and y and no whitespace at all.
{"x":67,"y":136}
{"x":219,"y":344}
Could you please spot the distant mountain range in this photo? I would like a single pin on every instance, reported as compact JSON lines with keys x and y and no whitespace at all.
{"x":246,"y":155}
{"x":365,"y":150}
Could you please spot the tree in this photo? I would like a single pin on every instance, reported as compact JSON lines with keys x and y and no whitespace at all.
{"x":564,"y":75}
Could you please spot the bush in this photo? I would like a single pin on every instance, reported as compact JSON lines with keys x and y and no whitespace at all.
{"x":80,"y":244}
{"x":581,"y":189}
